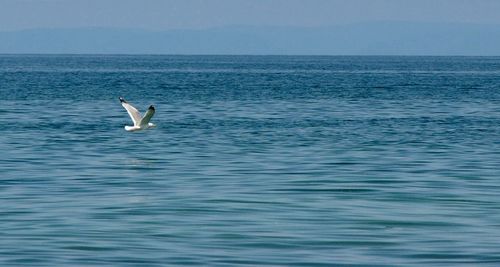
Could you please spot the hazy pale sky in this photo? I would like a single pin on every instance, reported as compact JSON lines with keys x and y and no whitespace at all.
{"x":196,"y":14}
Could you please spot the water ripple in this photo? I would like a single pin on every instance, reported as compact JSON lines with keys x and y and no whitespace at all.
{"x":286,"y":161}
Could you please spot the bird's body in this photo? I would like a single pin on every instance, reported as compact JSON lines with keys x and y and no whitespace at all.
{"x":140,"y":123}
{"x":138,"y":128}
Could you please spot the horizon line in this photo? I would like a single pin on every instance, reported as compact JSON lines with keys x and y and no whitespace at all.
{"x":257,"y":55}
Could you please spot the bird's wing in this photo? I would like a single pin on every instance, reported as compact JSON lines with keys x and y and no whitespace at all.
{"x":147,"y":117}
{"x":134,"y":114}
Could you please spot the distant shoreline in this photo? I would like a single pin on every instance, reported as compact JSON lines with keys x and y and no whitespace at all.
{"x":238,"y":55}
{"x":364,"y":39}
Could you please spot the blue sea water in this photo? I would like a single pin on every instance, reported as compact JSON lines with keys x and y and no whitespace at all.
{"x":256,"y":160}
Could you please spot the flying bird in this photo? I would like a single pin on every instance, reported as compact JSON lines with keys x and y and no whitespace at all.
{"x":140,"y":122}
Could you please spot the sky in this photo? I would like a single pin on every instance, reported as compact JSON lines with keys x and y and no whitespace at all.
{"x":158,"y":15}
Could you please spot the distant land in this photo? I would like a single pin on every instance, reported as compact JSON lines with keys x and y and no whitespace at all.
{"x":376,"y":38}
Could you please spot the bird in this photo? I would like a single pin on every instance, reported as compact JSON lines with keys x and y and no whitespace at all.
{"x":140,"y":122}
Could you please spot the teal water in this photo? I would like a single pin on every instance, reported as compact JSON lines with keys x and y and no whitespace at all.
{"x":280,"y":161}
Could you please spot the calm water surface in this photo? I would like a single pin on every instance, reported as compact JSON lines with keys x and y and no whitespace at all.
{"x":280,"y":161}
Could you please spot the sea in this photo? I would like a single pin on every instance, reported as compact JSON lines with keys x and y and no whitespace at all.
{"x":255,"y":161}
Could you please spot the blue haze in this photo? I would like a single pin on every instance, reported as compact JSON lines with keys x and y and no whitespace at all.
{"x":257,"y":160}
{"x":161,"y":15}
{"x":377,"y":38}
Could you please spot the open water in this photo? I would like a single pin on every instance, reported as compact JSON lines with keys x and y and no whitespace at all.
{"x":256,"y":160}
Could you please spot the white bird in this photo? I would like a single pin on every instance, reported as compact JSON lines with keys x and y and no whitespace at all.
{"x":140,"y":123}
